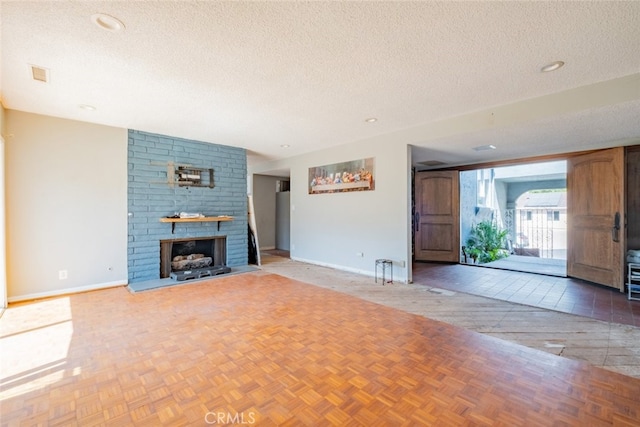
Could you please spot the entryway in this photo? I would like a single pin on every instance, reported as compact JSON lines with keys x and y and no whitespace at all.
{"x":515,"y":217}
{"x":272,"y":208}
{"x":595,"y":231}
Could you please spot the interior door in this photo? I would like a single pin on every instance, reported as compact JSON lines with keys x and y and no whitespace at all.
{"x":595,"y":228}
{"x":437,"y":216}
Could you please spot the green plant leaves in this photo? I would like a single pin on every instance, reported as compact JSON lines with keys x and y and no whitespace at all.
{"x":486,"y":242}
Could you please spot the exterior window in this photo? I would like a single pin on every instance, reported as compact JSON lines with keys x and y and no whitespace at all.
{"x":553,"y":215}
{"x":529,"y":215}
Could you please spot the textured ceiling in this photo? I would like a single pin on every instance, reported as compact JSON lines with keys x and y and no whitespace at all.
{"x":442,"y":76}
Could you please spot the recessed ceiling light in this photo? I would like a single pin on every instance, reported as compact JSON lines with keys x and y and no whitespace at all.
{"x":552,"y":66}
{"x":87,"y":107}
{"x":484,"y":147}
{"x":107,"y":22}
{"x":285,"y":146}
{"x":371,"y":120}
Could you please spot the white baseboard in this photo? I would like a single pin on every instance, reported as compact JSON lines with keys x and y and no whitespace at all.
{"x":67,"y":291}
{"x":369,"y":273}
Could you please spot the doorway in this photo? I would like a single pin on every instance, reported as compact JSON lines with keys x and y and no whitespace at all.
{"x":272,"y":206}
{"x":515,"y":217}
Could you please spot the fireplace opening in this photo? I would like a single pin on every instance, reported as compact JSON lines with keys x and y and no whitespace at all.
{"x":193,"y":258}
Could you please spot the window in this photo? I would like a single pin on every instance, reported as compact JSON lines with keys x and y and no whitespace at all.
{"x":529,"y":216}
{"x":553,"y":215}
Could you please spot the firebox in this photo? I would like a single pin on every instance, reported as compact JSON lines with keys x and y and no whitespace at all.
{"x":193,"y":258}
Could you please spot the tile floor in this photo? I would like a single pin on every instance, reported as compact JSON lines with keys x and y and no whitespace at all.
{"x":562,"y":294}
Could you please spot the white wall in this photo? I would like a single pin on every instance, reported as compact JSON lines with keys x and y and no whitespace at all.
{"x":66,"y":189}
{"x":330,"y":229}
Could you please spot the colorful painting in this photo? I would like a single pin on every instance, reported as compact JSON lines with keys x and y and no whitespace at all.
{"x":355,"y":175}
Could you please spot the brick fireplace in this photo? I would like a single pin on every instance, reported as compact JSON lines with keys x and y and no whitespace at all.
{"x":193,"y":257}
{"x":152,"y":197}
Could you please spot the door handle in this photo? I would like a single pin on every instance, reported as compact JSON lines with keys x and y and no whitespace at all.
{"x":417,"y":220}
{"x":615,"y":230}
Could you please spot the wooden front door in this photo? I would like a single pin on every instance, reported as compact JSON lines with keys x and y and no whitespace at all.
{"x":437,"y":216}
{"x":595,"y":228}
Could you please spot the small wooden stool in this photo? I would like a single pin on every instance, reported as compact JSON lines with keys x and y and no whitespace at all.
{"x":384,"y":264}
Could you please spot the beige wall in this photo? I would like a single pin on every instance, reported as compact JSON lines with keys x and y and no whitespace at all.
{"x":3,"y":264}
{"x":66,"y":197}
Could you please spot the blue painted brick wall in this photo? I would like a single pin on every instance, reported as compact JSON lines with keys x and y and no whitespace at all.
{"x":150,"y":197}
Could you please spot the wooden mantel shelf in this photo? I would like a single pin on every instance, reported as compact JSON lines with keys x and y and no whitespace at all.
{"x":217,"y":219}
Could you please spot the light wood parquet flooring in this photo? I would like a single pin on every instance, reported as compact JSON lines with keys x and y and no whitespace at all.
{"x":262,"y":349}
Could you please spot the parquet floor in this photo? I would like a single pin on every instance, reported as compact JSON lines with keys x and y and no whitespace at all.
{"x":262,"y":349}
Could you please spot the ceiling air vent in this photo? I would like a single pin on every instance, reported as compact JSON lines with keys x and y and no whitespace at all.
{"x":432,"y":163}
{"x":40,"y":74}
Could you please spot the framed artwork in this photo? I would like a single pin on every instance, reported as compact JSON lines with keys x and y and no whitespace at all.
{"x":354,"y":175}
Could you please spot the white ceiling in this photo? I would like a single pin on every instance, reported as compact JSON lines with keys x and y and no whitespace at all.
{"x":443,"y":76}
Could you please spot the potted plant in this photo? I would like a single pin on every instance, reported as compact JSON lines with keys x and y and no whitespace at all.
{"x":487,"y":242}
